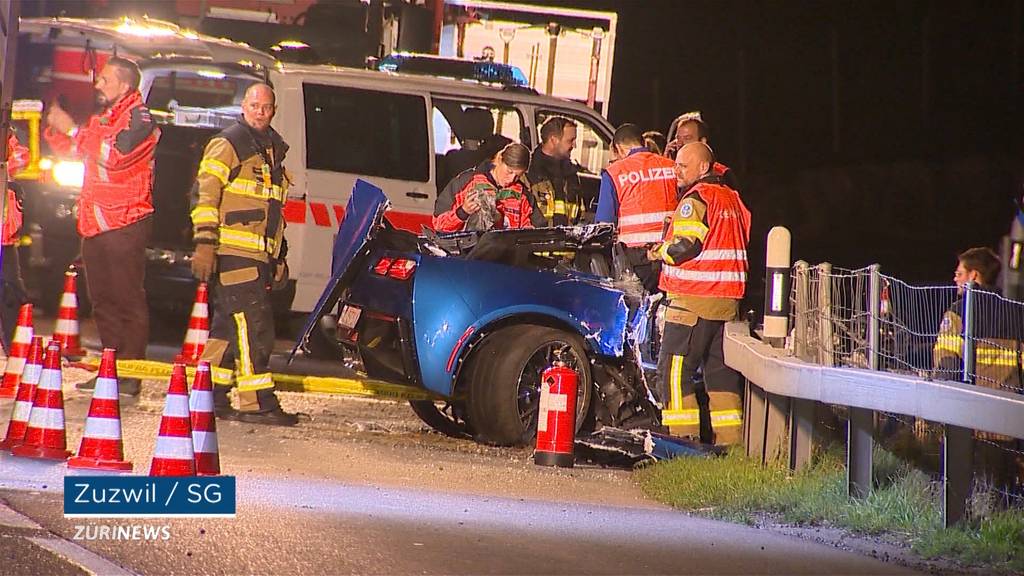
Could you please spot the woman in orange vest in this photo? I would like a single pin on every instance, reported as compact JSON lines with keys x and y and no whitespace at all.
{"x":704,"y":274}
{"x":13,"y":287}
{"x":491,"y":196}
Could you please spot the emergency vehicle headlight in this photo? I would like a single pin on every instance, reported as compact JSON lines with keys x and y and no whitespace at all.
{"x":69,"y":173}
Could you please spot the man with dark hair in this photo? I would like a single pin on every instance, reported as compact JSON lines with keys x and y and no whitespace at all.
{"x":638,"y":192}
{"x":238,"y":229}
{"x":491,"y":196}
{"x":998,"y":335}
{"x":690,"y":127}
{"x":554,"y":177}
{"x":115,"y":205}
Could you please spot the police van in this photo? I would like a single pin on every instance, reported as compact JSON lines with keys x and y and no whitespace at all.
{"x":406,"y":132}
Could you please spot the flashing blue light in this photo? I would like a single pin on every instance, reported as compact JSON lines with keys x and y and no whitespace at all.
{"x":493,"y":72}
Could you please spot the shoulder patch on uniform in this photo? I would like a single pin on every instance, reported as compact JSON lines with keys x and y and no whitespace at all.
{"x":686,"y":210}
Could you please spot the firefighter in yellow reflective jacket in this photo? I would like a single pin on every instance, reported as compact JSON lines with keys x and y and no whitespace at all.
{"x":998,"y":334}
{"x":238,"y":230}
{"x":554,"y":177}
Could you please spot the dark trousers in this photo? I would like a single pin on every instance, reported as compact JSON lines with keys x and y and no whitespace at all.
{"x":14,"y":294}
{"x":648,"y":271}
{"x":115,"y":268}
{"x":242,"y":334}
{"x":683,"y":350}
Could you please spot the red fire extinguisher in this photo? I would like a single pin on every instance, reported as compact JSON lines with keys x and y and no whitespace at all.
{"x":556,"y":417}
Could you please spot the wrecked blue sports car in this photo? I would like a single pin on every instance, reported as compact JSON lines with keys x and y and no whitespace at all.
{"x":476,"y":317}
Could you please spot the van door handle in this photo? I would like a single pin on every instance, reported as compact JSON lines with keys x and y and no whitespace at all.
{"x":421,"y":195}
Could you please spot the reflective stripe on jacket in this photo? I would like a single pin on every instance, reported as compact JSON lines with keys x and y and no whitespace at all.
{"x":645,"y":184}
{"x":720,"y":268}
{"x":117,"y":149}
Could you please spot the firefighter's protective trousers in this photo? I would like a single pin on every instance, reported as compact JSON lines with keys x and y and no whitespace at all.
{"x":242,"y":334}
{"x":683,"y":349}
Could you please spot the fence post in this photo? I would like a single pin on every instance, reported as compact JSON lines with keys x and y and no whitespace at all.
{"x":802,"y":417}
{"x":826,"y":352}
{"x":860,"y":435}
{"x":958,"y":443}
{"x":801,"y":310}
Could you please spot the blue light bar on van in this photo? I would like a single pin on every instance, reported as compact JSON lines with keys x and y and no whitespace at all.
{"x":429,"y":65}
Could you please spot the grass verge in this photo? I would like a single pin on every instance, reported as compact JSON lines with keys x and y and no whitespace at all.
{"x":905,"y":504}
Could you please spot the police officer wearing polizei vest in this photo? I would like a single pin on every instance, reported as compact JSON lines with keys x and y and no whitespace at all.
{"x":638,"y":192}
{"x":115,"y":205}
{"x":704,"y":276}
{"x":238,"y":230}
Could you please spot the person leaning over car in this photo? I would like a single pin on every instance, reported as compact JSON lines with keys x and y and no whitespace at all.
{"x":115,"y":207}
{"x":240,"y":248}
{"x":491,"y":196}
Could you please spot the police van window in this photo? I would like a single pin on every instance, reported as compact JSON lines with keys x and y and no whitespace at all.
{"x":366,"y":132}
{"x":465,"y":133}
{"x":592,"y":147}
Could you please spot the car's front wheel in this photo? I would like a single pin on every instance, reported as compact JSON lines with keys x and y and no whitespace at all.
{"x":504,"y":387}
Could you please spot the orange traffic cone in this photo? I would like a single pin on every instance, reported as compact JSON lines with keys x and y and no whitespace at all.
{"x":66,"y":330}
{"x":44,"y":437}
{"x":22,"y":408}
{"x":198,"y":328}
{"x":204,"y":425}
{"x":101,"y":447}
{"x":19,"y":350}
{"x":173,"y":454}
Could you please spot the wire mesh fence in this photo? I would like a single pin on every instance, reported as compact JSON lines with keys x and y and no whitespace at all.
{"x":860,"y":318}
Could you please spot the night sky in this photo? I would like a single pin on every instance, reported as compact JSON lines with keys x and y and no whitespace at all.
{"x":911,"y":156}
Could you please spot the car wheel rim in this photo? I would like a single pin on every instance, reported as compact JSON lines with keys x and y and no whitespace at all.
{"x":528,"y":390}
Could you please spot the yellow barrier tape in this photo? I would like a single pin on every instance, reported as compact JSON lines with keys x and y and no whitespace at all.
{"x":151,"y":369}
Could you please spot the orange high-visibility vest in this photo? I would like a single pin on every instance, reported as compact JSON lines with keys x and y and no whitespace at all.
{"x":720,"y":270}
{"x":118,"y":187}
{"x":645,"y":184}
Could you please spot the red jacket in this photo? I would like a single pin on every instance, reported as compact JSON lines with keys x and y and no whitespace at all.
{"x":646,"y":186}
{"x":720,"y":268}
{"x":17,"y":158}
{"x":512,"y":203}
{"x":117,"y":148}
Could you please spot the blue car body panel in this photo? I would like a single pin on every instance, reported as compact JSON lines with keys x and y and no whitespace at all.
{"x":449,"y":299}
{"x":453,"y":295}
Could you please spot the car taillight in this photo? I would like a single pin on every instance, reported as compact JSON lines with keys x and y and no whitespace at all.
{"x":397,"y":268}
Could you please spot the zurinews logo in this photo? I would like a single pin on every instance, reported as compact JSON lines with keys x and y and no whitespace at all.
{"x":149,"y":497}
{"x":135,"y":532}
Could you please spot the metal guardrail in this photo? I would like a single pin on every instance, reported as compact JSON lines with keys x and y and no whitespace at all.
{"x":782,"y":392}
{"x":956,"y":403}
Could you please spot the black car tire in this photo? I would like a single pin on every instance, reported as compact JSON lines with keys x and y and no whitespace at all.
{"x":504,"y":386}
{"x":438,"y":415}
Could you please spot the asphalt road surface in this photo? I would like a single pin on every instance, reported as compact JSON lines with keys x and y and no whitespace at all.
{"x":360,"y":486}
